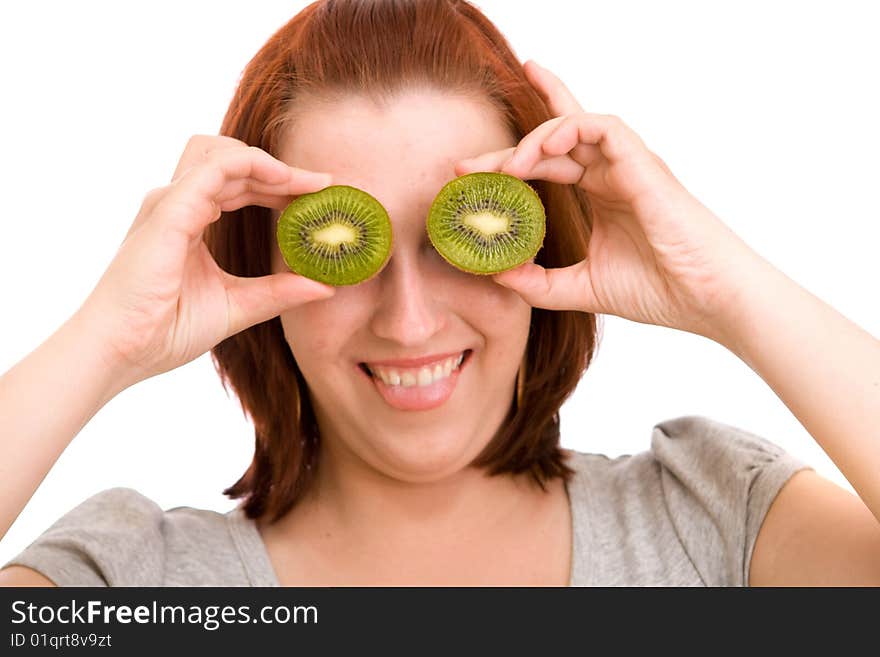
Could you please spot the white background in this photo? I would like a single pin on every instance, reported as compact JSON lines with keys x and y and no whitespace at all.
{"x":767,"y":112}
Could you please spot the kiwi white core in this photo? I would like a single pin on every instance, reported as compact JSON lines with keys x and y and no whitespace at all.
{"x":335,"y":234}
{"x":487,"y":223}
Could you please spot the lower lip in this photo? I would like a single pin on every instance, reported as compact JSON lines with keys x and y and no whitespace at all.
{"x":419,"y":398}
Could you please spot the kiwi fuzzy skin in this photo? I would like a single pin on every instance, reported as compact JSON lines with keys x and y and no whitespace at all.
{"x":479,"y":178}
{"x":293,"y":265}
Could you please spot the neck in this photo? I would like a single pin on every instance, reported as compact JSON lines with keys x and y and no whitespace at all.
{"x":353,"y":499}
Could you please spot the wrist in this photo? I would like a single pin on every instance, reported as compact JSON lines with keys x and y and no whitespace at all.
{"x":110,"y":372}
{"x":759,"y":302}
{"x":45,"y":400}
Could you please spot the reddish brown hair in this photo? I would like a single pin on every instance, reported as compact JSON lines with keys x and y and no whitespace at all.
{"x":380,"y":47}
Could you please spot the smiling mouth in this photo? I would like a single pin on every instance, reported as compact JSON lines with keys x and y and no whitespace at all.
{"x":424,"y":376}
{"x":422,"y":388}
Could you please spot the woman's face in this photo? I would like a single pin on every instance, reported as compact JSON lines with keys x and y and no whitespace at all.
{"x":412,"y":323}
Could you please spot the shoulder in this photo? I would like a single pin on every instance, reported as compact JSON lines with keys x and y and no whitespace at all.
{"x":708,"y":443}
{"x":120,"y":537}
{"x":113,"y":537}
{"x":731,"y":473}
{"x":692,"y":503}
{"x":693,"y":449}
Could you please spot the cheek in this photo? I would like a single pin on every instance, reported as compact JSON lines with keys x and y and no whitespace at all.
{"x":317,"y":332}
{"x":305,"y":343}
{"x":497,"y":311}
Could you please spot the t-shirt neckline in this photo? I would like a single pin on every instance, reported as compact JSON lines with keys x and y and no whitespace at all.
{"x":255,"y":559}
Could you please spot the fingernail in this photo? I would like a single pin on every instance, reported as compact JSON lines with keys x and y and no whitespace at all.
{"x":498,"y":279}
{"x":318,"y":179}
{"x":320,"y":290}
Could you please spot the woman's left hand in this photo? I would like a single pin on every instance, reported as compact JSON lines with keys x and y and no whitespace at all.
{"x":656,"y":254}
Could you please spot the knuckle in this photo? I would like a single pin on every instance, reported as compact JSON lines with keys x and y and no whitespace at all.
{"x":196,"y":142}
{"x":662,"y":164}
{"x":625,"y":137}
{"x":577,"y":119}
{"x":257,"y":153}
{"x":211,"y":157}
{"x":228,"y":141}
{"x":215,"y":160}
{"x":152,"y":198}
{"x":615,"y":121}
{"x":204,"y":145}
{"x":154,"y":195}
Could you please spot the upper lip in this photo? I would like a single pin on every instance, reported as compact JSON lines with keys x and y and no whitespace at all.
{"x":413,"y":362}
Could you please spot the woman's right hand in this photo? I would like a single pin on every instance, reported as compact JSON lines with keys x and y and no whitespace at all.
{"x":164,"y":301}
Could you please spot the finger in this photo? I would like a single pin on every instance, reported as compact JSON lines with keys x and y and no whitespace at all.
{"x":585,"y":155}
{"x":194,"y":200}
{"x":197,"y":149}
{"x":245,"y":186}
{"x":236,"y":194}
{"x":615,"y":139}
{"x":566,"y":288}
{"x":663,"y":165}
{"x":151,"y":199}
{"x":492,"y":161}
{"x":528,"y":151}
{"x":259,"y":299}
{"x":272,"y":201}
{"x":561,"y":169}
{"x":560,"y":101}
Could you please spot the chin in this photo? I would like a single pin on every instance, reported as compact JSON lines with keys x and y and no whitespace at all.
{"x":423,"y":459}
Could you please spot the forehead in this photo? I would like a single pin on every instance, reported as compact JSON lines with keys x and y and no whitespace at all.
{"x":410,"y":141}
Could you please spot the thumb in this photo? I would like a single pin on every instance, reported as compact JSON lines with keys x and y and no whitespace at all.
{"x":257,"y":299}
{"x":565,"y":288}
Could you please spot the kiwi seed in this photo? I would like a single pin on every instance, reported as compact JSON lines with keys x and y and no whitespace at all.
{"x":339,"y":235}
{"x":485,"y":223}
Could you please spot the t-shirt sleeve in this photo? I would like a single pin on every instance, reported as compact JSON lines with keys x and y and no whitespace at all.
{"x":114,"y":538}
{"x":718,"y":483}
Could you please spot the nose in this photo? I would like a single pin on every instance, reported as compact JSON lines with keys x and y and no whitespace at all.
{"x":408,"y":313}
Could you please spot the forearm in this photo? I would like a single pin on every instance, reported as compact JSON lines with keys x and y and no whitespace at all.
{"x":825,"y":369}
{"x":45,"y":400}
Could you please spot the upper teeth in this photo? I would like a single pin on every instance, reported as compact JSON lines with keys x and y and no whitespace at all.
{"x":422,"y":376}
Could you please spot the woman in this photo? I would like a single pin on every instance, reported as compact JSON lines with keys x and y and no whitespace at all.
{"x":461,"y":481}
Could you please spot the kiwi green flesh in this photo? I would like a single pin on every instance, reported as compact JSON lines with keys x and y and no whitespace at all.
{"x":340,"y":235}
{"x":485,"y":223}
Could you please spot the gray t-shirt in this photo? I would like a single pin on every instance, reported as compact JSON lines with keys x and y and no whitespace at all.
{"x":684,"y":513}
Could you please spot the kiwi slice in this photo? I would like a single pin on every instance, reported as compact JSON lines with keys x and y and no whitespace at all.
{"x":485,"y":223}
{"x":340,"y":235}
